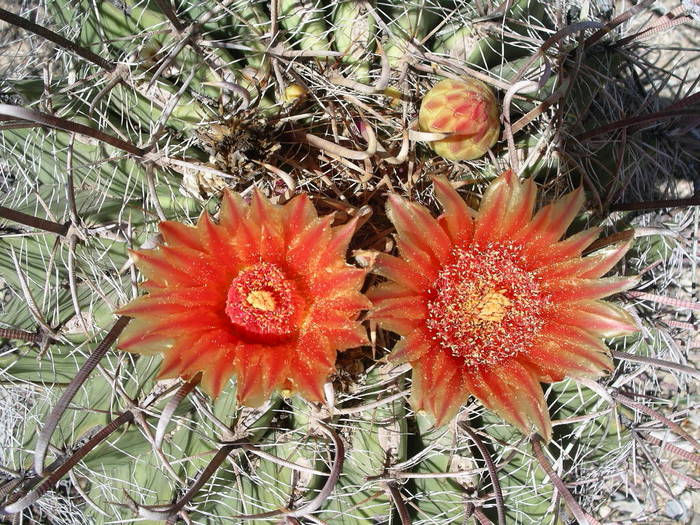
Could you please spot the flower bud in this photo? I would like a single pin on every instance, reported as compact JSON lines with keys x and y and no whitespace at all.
{"x":467,"y":109}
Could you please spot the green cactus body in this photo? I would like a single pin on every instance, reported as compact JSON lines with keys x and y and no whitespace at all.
{"x":407,"y":22}
{"x":471,"y":43}
{"x":354,"y":34}
{"x":465,"y":44}
{"x":376,"y":439}
{"x":305,"y":20}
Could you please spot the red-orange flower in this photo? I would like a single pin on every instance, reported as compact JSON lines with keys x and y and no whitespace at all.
{"x":265,"y":295}
{"x":491,"y":303}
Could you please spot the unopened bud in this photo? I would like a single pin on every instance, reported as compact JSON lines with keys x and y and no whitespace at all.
{"x":467,"y":109}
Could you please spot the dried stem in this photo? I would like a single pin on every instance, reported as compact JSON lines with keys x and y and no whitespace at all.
{"x":33,"y":222}
{"x":166,"y":512}
{"x":56,"y":39}
{"x":42,"y":443}
{"x":10,"y":333}
{"x":650,"y":118}
{"x":51,"y":121}
{"x":571,"y":503}
{"x":674,"y":427}
{"x":498,"y":493}
{"x":396,"y":497}
{"x":171,"y":407}
{"x":57,"y":474}
{"x":167,"y":9}
{"x":371,"y":406}
{"x":595,"y":37}
{"x":151,"y":185}
{"x":656,"y":362}
{"x":72,"y":285}
{"x":29,"y":297}
{"x":656,"y":205}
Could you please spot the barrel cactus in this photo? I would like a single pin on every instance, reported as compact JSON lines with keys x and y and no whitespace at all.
{"x":197,"y":191}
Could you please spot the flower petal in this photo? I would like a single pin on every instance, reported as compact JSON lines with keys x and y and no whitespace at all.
{"x":249,"y":375}
{"x":554,"y":360}
{"x":571,"y":290}
{"x":333,"y":283}
{"x":521,"y":208}
{"x":599,"y":317}
{"x":266,"y":219}
{"x":170,"y":367}
{"x":560,"y":251}
{"x":327,"y":320}
{"x":401,"y":325}
{"x":172,"y":301}
{"x":417,"y":258}
{"x":219,"y":245}
{"x":606,"y":259}
{"x":214,"y":379}
{"x":400,"y":307}
{"x":299,"y":213}
{"x":339,"y":307}
{"x":554,"y":330}
{"x":457,"y":216}
{"x":412,"y":347}
{"x":275,"y":365}
{"x":313,"y":345}
{"x":138,"y":331}
{"x":205,"y":353}
{"x":303,"y":253}
{"x":389,"y":290}
{"x":336,"y":249}
{"x":310,"y":369}
{"x":352,"y":336}
{"x":261,"y":371}
{"x":551,"y":222}
{"x":416,"y":225}
{"x":401,"y":272}
{"x":501,"y":198}
{"x":512,"y":391}
{"x":201,"y":267}
{"x":178,"y":234}
{"x":141,"y":332}
{"x":161,"y":269}
{"x":233,"y":210}
{"x":589,"y":267}
{"x":232,"y":218}
{"x":437,"y":386}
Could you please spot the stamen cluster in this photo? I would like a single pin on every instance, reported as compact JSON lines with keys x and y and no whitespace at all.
{"x":263,"y":304}
{"x":484,"y":306}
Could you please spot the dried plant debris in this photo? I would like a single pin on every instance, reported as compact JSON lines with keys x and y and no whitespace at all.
{"x":117,"y":117}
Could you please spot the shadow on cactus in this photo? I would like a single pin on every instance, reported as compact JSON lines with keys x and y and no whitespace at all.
{"x":152,"y":112}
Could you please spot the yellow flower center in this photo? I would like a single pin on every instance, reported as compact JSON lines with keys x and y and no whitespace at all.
{"x":263,"y":305}
{"x":492,"y":307}
{"x":262,"y":300}
{"x":484,"y":306}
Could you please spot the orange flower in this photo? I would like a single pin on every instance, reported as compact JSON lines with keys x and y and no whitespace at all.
{"x":265,"y":294}
{"x":491,"y":303}
{"x":468,"y":110}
